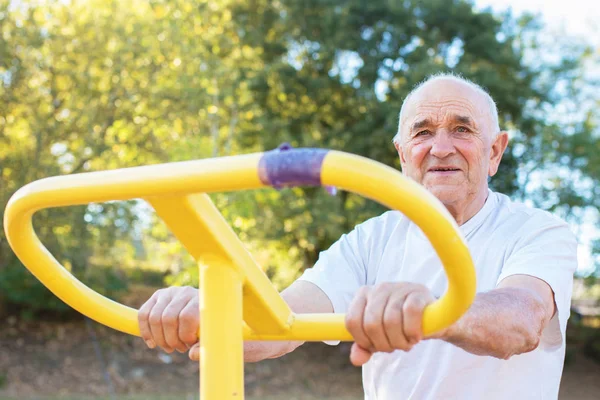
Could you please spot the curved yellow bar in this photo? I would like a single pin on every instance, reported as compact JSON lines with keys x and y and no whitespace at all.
{"x":346,"y":171}
{"x":211,"y":175}
{"x":391,"y":188}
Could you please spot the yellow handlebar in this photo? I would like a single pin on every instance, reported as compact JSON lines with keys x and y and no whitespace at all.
{"x":350,"y":172}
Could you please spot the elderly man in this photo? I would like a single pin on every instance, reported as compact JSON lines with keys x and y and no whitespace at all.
{"x":509,"y":345}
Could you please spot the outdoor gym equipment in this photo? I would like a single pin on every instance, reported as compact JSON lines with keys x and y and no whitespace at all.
{"x":229,"y":277}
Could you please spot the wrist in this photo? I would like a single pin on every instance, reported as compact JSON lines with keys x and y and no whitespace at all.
{"x":255,"y":351}
{"x":441,"y":334}
{"x":445,"y":333}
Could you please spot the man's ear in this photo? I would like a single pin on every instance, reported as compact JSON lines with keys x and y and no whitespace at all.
{"x":497,"y":151}
{"x":400,"y":153}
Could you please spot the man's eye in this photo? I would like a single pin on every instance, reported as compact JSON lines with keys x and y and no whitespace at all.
{"x":423,"y":133}
{"x":462,"y":129}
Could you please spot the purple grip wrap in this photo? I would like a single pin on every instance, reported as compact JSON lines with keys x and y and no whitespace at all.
{"x":285,"y":167}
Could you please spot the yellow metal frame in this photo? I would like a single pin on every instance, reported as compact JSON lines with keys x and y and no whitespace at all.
{"x":230,"y":277}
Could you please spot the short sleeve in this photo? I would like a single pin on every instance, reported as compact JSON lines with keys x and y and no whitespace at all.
{"x":341,"y":270}
{"x":547,"y":250}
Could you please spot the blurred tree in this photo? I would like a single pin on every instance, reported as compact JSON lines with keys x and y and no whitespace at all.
{"x":89,"y":86}
{"x":347,"y":68}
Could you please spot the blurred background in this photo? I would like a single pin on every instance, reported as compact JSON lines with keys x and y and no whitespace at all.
{"x":105,"y":84}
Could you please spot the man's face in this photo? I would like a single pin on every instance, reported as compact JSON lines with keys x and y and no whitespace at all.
{"x":448,"y":141}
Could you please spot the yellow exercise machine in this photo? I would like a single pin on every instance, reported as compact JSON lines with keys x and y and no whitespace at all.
{"x":229,"y":277}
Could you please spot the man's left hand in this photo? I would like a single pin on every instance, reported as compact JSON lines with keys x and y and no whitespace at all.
{"x":386,"y":317}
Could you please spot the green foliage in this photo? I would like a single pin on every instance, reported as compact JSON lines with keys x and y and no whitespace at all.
{"x":583,"y":336}
{"x":28,"y":297}
{"x":592,"y":347}
{"x":25,"y":294}
{"x":188,"y":276}
{"x":95,"y":85}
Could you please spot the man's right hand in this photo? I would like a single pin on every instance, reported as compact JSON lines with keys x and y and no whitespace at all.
{"x":170,"y":319}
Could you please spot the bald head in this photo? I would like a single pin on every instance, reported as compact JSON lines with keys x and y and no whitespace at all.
{"x":449,"y":141}
{"x":441,"y":87}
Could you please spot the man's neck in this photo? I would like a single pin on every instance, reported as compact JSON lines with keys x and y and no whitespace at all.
{"x":465,"y":211}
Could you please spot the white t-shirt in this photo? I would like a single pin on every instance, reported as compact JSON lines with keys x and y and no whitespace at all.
{"x":504,"y":238}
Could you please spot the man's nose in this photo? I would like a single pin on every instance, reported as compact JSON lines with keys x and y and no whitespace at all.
{"x":443,"y":145}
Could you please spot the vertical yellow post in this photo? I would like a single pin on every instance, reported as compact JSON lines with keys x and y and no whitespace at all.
{"x":221,"y":340}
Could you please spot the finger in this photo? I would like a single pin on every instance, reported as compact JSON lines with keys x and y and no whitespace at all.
{"x":156,"y":321}
{"x":194,"y":353}
{"x":393,"y":321}
{"x":358,"y":355}
{"x":144,"y":321}
{"x":170,"y":322}
{"x":189,"y":322}
{"x":354,"y":318}
{"x":412,"y":311}
{"x":373,"y":318}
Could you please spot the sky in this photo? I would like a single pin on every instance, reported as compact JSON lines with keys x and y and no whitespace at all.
{"x":577,"y":17}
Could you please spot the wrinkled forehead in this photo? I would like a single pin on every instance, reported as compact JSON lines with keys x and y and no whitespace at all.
{"x":441,"y":99}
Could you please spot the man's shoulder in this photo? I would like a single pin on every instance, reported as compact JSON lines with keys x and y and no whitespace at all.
{"x":523,"y":217}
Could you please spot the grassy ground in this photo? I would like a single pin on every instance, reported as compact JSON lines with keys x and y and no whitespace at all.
{"x":48,"y":361}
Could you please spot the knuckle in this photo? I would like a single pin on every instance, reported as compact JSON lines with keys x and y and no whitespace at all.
{"x":155,"y":318}
{"x":396,"y":307}
{"x":371,"y":327}
{"x":189,"y":317}
{"x":421,"y":287}
{"x":413,"y":305}
{"x":352,"y":323}
{"x":189,"y":290}
{"x":392,"y":320}
{"x":384,"y":286}
{"x":169,"y":319}
{"x":143,"y":314}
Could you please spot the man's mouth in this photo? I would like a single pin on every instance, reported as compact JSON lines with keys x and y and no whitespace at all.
{"x":443,"y":169}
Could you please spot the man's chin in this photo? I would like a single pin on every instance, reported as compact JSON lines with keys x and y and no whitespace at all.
{"x":447,"y":194}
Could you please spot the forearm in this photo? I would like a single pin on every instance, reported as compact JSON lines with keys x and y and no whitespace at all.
{"x":302,"y":297}
{"x":500,"y":323}
{"x":255,"y":351}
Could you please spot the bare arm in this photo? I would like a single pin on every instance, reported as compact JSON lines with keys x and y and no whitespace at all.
{"x":303,"y":297}
{"x":506,"y":321}
{"x":503,"y":322}
{"x":170,"y":320}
